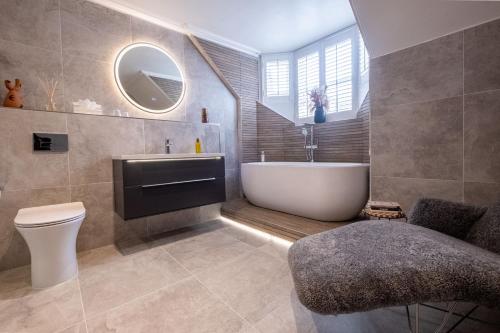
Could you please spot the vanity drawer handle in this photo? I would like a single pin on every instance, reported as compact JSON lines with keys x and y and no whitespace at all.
{"x":180,"y":182}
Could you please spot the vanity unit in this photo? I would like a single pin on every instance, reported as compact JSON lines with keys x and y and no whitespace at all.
{"x":147,"y":185}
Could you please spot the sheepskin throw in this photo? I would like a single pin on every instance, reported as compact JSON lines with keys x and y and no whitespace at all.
{"x":372,"y":264}
{"x":452,"y":218}
{"x":485,"y":233}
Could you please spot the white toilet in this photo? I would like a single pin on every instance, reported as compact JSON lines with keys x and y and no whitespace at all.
{"x":50,"y":232}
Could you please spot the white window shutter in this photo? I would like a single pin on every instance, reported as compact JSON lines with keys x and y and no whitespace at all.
{"x":364,"y":57}
{"x":277,"y":78}
{"x":338,"y":75}
{"x":307,"y":79}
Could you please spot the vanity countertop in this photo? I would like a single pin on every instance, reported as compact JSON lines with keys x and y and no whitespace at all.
{"x":167,"y":156}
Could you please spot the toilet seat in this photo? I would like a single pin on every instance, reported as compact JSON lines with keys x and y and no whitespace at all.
{"x":49,"y":215}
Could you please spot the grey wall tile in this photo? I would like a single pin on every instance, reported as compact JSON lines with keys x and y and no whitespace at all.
{"x":205,"y":90}
{"x":174,"y":220}
{"x":92,"y":31}
{"x":482,"y":57}
{"x":171,"y":41}
{"x":425,"y":72}
{"x":98,"y":227}
{"x":482,"y":193}
{"x":233,"y":188}
{"x":182,"y":135}
{"x":13,"y":250}
{"x":31,"y":22}
{"x":419,"y":140}
{"x":49,"y":196}
{"x":482,"y":137}
{"x":230,"y":148}
{"x":210,"y":212}
{"x":20,"y":167}
{"x":30,"y":65}
{"x":94,"y":140}
{"x":407,"y":190}
{"x":93,"y":80}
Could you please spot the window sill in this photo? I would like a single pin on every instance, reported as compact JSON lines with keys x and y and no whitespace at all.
{"x":331,"y":117}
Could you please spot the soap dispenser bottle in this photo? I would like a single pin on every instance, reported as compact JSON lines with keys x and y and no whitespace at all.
{"x":197,"y":146}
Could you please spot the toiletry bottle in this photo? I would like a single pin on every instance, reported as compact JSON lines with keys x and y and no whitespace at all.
{"x":204,"y":115}
{"x":197,"y":146}
{"x":262,"y":156}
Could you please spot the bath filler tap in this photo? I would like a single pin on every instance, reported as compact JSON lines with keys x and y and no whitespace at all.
{"x":309,"y":145}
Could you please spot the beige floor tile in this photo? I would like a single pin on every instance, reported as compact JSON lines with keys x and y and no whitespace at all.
{"x":78,"y":328}
{"x":184,"y":307}
{"x":277,"y":249}
{"x":15,"y":279}
{"x":48,"y":310}
{"x":108,"y":280}
{"x":254,"y":284}
{"x":97,"y":257}
{"x":206,"y":250}
{"x":252,"y":239}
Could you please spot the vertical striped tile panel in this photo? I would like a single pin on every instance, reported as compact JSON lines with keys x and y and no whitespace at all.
{"x":242,"y":72}
{"x":340,"y":141}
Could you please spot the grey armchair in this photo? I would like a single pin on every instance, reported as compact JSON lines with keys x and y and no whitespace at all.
{"x":447,"y":252}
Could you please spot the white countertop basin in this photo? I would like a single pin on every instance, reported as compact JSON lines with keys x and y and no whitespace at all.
{"x":166,"y":156}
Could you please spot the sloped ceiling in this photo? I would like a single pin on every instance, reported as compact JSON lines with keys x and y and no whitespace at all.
{"x":255,"y":25}
{"x":392,"y":25}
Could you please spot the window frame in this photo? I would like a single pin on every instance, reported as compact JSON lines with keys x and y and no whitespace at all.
{"x":320,"y":46}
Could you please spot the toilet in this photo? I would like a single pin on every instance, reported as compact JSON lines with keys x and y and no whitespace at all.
{"x":50,"y":232}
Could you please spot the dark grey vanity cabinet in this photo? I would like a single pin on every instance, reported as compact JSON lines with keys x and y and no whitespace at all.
{"x":155,"y":186}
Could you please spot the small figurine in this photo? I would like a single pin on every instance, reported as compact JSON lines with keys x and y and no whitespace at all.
{"x":13,"y":98}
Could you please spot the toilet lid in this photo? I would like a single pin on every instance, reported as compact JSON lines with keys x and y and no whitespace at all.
{"x":48,"y":215}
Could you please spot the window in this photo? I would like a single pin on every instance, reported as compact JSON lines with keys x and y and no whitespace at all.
{"x":307,"y":79}
{"x":277,"y":78}
{"x":338,"y":76}
{"x":339,"y":61}
{"x":364,"y":57}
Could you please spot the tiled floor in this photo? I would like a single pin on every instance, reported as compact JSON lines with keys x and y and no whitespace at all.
{"x":214,"y":278}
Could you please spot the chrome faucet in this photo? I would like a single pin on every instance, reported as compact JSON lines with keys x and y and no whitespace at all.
{"x":168,"y":144}
{"x":309,"y":145}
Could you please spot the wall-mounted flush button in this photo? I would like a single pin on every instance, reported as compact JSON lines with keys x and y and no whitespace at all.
{"x":50,"y":142}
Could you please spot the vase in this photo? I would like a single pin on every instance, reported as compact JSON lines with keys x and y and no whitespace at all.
{"x":319,"y":115}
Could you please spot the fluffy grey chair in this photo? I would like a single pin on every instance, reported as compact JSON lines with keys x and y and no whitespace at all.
{"x":447,"y":252}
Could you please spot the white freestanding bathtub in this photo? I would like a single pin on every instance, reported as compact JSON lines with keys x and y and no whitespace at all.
{"x":320,"y":191}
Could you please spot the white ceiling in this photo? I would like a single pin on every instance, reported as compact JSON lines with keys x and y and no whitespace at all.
{"x":255,"y":26}
{"x":391,"y":25}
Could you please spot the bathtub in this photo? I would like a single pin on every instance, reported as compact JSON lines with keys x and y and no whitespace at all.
{"x":320,"y":191}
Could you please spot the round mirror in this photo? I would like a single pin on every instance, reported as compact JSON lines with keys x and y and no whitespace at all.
{"x":149,"y":78}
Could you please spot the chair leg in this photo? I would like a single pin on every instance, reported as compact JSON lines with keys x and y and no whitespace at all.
{"x":417,"y":318}
{"x":409,"y":318}
{"x":447,"y":317}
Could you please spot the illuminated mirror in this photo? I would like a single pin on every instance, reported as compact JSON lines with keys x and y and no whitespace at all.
{"x":149,"y":78}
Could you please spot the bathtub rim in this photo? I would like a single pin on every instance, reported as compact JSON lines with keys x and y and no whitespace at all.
{"x":312,"y":165}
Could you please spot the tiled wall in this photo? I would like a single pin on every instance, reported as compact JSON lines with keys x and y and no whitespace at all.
{"x":435,"y":128}
{"x":339,"y":141}
{"x":242,"y":72}
{"x":80,"y":39}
